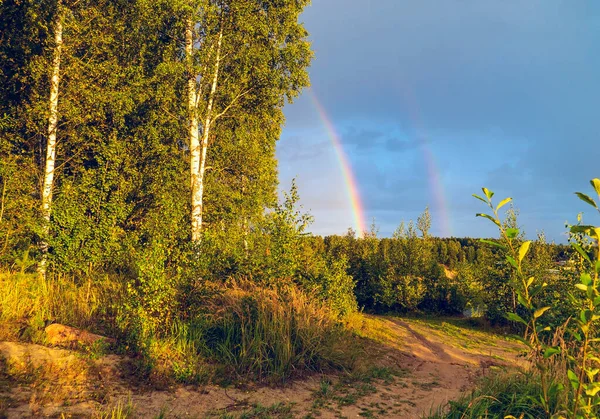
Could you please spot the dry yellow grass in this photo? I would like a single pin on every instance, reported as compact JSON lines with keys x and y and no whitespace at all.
{"x":28,"y":302}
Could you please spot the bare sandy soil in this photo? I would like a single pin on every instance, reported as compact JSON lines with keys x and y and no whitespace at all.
{"x":415,"y":366}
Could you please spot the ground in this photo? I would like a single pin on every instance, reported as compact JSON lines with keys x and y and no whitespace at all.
{"x":409,"y":368}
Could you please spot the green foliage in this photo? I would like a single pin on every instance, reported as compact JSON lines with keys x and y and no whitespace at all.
{"x":121,"y":188}
{"x":413,"y":272}
{"x":499,"y":396}
{"x":122,"y":176}
{"x":579,"y":346}
{"x":282,"y":249}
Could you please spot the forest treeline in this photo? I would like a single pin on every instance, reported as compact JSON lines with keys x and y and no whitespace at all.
{"x":414,"y":272}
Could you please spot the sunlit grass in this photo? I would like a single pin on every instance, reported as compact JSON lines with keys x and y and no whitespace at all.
{"x":499,"y":396}
{"x":28,"y":302}
{"x":378,"y":329}
{"x":275,"y":332}
{"x":122,"y":410}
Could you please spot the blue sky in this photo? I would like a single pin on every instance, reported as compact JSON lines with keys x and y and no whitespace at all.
{"x":503,"y":94}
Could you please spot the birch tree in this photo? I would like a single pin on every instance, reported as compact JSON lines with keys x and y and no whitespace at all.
{"x":252,"y":54}
{"x":199,"y":147}
{"x":166,"y":118}
{"x":51,"y":139}
{"x":195,"y":150}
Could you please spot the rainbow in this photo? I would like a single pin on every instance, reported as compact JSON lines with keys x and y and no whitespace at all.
{"x":435,"y":182}
{"x":434,"y":179}
{"x":358,"y":212}
{"x":435,"y":186}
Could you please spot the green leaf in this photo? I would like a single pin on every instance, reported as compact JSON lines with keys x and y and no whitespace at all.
{"x":523,"y":301}
{"x":487,"y":193}
{"x":586,"y":199}
{"x":493,"y":243}
{"x":489,"y":217}
{"x":523,"y":250}
{"x":480,"y":198}
{"x":573,"y":379}
{"x":512,"y":232}
{"x":503,"y":203}
{"x":551,"y":351}
{"x":581,"y":251}
{"x":585,"y":229}
{"x":593,"y":389}
{"x":540,"y":311}
{"x":591,"y":373}
{"x":515,"y":318}
{"x":586,"y":279}
{"x":512,"y":261}
{"x":583,"y":315}
{"x":542,"y":328}
{"x":581,"y":287}
{"x":596,"y":184}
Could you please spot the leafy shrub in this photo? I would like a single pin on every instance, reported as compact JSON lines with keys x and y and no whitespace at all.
{"x":579,"y":343}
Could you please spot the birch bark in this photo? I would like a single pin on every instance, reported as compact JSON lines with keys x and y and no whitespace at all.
{"x":205,"y":133}
{"x":195,"y":150}
{"x":51,"y":144}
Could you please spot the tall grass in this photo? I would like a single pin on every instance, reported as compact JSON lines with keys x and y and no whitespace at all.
{"x":122,"y":410}
{"x":275,"y":332}
{"x":506,"y":394}
{"x":245,"y":329}
{"x":28,"y":301}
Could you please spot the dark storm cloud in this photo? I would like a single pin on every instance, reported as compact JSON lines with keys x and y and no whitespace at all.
{"x":498,"y":93}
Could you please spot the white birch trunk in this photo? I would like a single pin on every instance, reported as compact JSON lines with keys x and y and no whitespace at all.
{"x":195,"y":150}
{"x":51,"y":144}
{"x":206,"y":128}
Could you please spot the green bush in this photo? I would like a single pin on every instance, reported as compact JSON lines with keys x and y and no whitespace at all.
{"x":576,"y":342}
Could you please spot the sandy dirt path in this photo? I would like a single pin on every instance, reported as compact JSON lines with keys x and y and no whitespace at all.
{"x":415,"y":367}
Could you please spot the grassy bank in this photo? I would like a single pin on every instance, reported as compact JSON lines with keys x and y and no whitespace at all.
{"x":242,"y":331}
{"x":505,"y":395}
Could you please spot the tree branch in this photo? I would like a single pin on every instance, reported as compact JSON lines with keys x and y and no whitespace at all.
{"x":235,"y":99}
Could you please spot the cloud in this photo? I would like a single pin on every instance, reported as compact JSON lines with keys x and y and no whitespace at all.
{"x":298,"y":148}
{"x":473,"y":93}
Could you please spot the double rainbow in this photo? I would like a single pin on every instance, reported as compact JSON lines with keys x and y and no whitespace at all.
{"x":358,"y":212}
